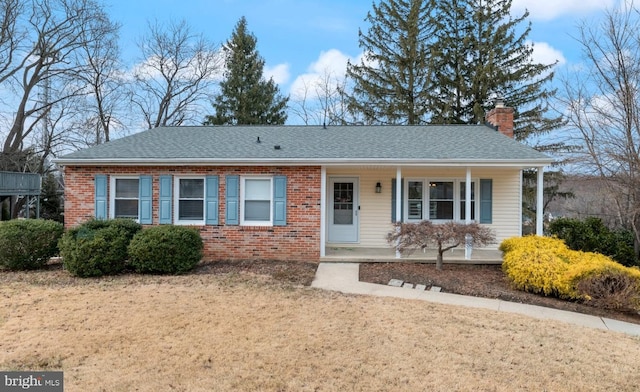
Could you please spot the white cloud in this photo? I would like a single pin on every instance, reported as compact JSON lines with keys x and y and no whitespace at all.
{"x":551,"y":9}
{"x":280,"y":73}
{"x":330,"y":67}
{"x":543,"y":53}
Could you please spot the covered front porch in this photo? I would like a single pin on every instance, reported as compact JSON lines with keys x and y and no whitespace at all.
{"x":362,"y":254}
{"x":360,"y":204}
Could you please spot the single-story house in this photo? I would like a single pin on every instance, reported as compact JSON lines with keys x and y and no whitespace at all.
{"x":292,"y":192}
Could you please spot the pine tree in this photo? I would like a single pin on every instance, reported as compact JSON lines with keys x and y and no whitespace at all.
{"x":480,"y":55}
{"x":393,"y":82}
{"x":246,"y":98}
{"x":443,"y":62}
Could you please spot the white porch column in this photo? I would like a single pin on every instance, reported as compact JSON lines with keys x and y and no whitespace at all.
{"x":323,"y":210}
{"x":540,"y":202}
{"x":467,"y":197}
{"x":467,"y":212}
{"x":398,"y":200}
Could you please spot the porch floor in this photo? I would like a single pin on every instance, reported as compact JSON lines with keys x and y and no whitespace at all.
{"x":454,"y":256}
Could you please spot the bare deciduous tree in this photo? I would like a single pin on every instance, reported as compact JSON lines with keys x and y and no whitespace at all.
{"x":47,"y":72}
{"x":104,"y":81}
{"x":409,"y":237}
{"x":176,"y":76}
{"x":603,"y":104}
{"x":322,"y":100}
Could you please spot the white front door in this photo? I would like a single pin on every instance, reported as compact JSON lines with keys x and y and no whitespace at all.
{"x":343,"y":209}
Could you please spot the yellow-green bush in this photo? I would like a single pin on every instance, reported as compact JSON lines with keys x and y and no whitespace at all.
{"x":535,"y":268}
{"x":602,"y":282}
{"x":545,"y":265}
{"x":532,"y":242}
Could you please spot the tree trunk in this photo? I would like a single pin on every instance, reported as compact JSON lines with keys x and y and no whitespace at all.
{"x":439,"y":260}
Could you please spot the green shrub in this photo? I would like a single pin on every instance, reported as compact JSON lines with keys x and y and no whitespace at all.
{"x":96,"y":248}
{"x":591,"y":235}
{"x":129,"y":226}
{"x":165,"y":250}
{"x":28,"y":243}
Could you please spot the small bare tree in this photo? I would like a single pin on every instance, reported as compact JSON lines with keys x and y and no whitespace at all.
{"x":409,"y":237}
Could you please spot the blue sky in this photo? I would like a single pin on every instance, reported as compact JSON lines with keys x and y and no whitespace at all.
{"x":300,"y":38}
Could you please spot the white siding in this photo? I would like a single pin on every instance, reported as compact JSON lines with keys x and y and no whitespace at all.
{"x":375,"y":208}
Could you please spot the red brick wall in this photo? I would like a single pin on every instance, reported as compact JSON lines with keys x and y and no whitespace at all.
{"x":298,"y":240}
{"x":502,"y":118}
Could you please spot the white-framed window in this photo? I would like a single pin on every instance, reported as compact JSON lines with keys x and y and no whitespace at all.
{"x":445,"y":199}
{"x":189,"y":200}
{"x":441,"y":200}
{"x":256,"y":201}
{"x":125,"y":197}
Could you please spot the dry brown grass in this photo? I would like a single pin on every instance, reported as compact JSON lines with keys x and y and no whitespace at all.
{"x":240,"y":331}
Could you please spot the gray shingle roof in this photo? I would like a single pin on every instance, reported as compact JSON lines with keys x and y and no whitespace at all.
{"x":312,"y":144}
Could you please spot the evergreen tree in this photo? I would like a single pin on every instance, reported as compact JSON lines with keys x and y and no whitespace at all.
{"x":481,"y":54}
{"x":245,"y":97}
{"x":443,"y":62}
{"x":393,"y":82}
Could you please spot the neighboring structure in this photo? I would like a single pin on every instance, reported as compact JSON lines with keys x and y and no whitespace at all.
{"x":14,"y":185}
{"x":289,"y":192}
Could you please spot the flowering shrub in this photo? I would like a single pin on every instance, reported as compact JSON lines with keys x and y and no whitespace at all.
{"x":545,"y":265}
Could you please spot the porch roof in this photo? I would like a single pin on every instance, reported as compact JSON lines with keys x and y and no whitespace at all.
{"x":432,"y":145}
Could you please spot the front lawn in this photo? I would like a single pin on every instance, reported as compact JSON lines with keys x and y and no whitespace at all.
{"x":228,"y":328}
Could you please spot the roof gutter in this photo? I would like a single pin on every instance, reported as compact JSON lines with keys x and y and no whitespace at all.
{"x":308,"y":162}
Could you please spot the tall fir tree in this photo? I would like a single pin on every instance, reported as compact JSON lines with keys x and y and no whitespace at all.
{"x":482,"y":52}
{"x":393,"y":82}
{"x":443,"y":62}
{"x":246,"y":98}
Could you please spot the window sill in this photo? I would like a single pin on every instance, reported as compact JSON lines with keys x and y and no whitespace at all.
{"x":256,"y":228}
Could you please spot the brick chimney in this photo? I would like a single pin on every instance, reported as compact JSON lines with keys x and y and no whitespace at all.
{"x":501,"y":117}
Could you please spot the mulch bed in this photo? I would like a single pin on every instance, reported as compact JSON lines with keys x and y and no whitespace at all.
{"x":486,"y":281}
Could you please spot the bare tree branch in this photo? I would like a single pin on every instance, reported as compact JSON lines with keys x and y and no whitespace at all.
{"x":177,"y":75}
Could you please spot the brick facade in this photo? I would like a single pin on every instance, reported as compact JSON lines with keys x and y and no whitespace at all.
{"x":298,"y":240}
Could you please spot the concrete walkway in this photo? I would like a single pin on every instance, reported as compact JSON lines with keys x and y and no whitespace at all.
{"x":344,"y":277}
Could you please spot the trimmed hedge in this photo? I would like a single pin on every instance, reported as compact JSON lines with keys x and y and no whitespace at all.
{"x":97,"y":247}
{"x":27,"y":244}
{"x":165,"y":250}
{"x":547,"y":266}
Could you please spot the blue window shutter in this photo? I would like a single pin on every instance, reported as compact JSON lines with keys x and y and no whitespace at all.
{"x":394,"y":198}
{"x":280,"y":201}
{"x":166,"y":189}
{"x":145,"y":185}
{"x":486,"y":200}
{"x":211,"y":207}
{"x":100,"y":183}
{"x":232,"y":199}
